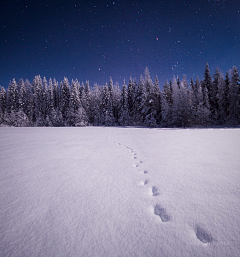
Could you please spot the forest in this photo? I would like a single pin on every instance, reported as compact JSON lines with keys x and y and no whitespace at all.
{"x":212,"y":101}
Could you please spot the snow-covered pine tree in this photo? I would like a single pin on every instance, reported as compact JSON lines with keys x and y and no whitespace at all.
{"x":110,"y":102}
{"x":226,"y":94}
{"x":11,"y":107}
{"x":157,"y":101}
{"x":148,"y":81}
{"x":184,"y":103}
{"x":140,"y":98}
{"x":153,"y":105}
{"x":83,"y":96}
{"x":131,"y":99}
{"x":166,"y":105}
{"x":56,"y":94}
{"x":45,"y":101}
{"x":234,"y":90}
{"x":37,"y":101}
{"x":29,"y":104}
{"x":51,"y":111}
{"x":22,"y":96}
{"x":124,"y":115}
{"x":149,"y":111}
{"x":203,"y":112}
{"x":107,"y":118}
{"x":12,"y":96}
{"x":3,"y":104}
{"x":74,"y":105}
{"x":87,"y":91}
{"x":181,"y":107}
{"x":64,"y":99}
{"x":214,"y":94}
{"x":116,"y":101}
{"x":95,"y":106}
{"x":222,"y":113}
{"x":206,"y":88}
{"x":193,"y":101}
{"x":81,"y":117}
{"x":50,"y":95}
{"x":176,"y":116}
{"x":207,"y":82}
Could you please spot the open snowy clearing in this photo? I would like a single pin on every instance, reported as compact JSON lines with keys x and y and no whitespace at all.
{"x":99,"y":191}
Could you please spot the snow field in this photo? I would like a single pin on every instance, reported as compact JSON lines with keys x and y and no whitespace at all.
{"x":119,"y":192}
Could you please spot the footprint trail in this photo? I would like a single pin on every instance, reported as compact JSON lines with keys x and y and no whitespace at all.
{"x":201,"y":234}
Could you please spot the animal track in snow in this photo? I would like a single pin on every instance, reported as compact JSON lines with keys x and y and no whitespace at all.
{"x":161,"y":212}
{"x":135,"y":165}
{"x":155,"y":191}
{"x":202,"y":235}
{"x":145,"y":182}
{"x":145,"y":172}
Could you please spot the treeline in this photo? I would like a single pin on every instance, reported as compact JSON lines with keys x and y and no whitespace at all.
{"x":209,"y":102}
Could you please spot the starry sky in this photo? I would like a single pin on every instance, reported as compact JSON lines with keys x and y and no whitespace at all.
{"x":93,"y":40}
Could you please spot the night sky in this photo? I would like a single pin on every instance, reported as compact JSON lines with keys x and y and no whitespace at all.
{"x":93,"y":40}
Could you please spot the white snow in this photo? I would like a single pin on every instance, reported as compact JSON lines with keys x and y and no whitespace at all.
{"x":98,"y":191}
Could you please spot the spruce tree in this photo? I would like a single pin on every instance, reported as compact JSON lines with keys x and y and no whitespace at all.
{"x":176,"y":117}
{"x":110,"y":100}
{"x":234,"y":108}
{"x":184,"y":103}
{"x":206,"y":87}
{"x":64,"y":99}
{"x":51,"y":95}
{"x":30,"y":103}
{"x":131,"y":98}
{"x":214,"y":101}
{"x":140,"y":100}
{"x":3,"y":104}
{"x":22,"y":98}
{"x":77,"y":115}
{"x":87,"y":97}
{"x":45,"y":100}
{"x":166,"y":105}
{"x":37,"y":100}
{"x":152,"y":103}
{"x":12,"y":96}
{"x":203,"y":113}
{"x":96,"y":105}
{"x":148,"y":81}
{"x":157,"y":101}
{"x":56,"y":95}
{"x":222,"y":114}
{"x":226,"y":94}
{"x":193,"y":98}
{"x":124,"y":115}
{"x":107,"y":118}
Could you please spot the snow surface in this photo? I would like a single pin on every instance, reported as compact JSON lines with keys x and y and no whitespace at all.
{"x":98,"y":191}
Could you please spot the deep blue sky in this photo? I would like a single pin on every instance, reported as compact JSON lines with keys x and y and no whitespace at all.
{"x":94,"y":40}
